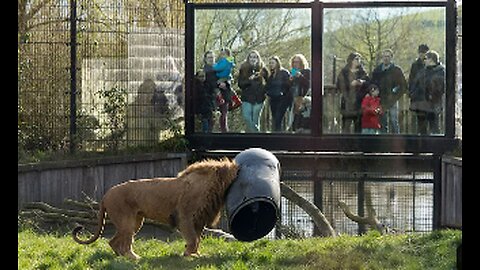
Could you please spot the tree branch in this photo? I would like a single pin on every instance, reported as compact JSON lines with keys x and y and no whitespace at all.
{"x":318,"y":218}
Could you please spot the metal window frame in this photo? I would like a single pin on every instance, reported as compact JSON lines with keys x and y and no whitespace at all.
{"x":317,"y":140}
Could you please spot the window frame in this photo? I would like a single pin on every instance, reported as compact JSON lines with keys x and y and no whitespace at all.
{"x":317,"y":140}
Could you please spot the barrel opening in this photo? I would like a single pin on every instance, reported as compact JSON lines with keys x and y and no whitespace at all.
{"x":254,"y":219}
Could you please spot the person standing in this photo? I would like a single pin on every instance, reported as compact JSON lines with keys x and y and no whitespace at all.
{"x":392,"y":84}
{"x":351,"y":82}
{"x":300,"y":89}
{"x":371,"y":111}
{"x":204,"y":101}
{"x":415,"y":68}
{"x":427,"y":94}
{"x":278,"y":90}
{"x":223,"y":69}
{"x":251,"y":80}
{"x":208,"y":94}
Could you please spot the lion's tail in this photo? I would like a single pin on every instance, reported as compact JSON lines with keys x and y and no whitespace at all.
{"x":101,"y":226}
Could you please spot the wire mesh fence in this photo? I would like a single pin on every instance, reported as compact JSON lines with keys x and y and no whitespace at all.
{"x":127,"y":61}
{"x":403,"y":203}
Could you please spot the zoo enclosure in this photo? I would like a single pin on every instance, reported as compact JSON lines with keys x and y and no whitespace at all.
{"x":407,"y":191}
{"x":408,"y":198}
{"x":85,"y":82}
{"x":97,"y":75}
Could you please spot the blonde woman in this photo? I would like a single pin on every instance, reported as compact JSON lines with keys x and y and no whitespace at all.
{"x":300,"y":81}
{"x":251,"y":79}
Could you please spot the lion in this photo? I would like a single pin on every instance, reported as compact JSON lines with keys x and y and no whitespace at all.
{"x":189,"y":202}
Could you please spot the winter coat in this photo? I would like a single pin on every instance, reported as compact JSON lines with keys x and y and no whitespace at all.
{"x":224,"y":68}
{"x":279,"y":85}
{"x":253,"y":91}
{"x":301,"y":84}
{"x":370,"y":118}
{"x":210,"y":77}
{"x":428,"y":89}
{"x":416,"y":67}
{"x":204,"y":92}
{"x":204,"y":98}
{"x":391,"y":82}
{"x":351,"y":96}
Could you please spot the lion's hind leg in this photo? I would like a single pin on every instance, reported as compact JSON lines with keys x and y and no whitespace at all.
{"x":122,"y":241}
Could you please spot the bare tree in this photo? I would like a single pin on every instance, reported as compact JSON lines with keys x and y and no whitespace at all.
{"x":244,"y":30}
{"x":369,"y":31}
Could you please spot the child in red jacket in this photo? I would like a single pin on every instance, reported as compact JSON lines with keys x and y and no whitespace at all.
{"x":371,"y":111}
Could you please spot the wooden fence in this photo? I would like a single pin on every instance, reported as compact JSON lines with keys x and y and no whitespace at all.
{"x":53,"y":182}
{"x":451,"y":213}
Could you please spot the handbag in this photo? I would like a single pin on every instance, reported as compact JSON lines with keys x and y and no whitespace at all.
{"x":236,"y":102}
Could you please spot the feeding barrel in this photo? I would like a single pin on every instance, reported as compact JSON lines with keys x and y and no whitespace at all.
{"x":253,"y":200}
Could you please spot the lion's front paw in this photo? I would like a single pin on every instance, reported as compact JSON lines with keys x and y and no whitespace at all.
{"x":191,"y":254}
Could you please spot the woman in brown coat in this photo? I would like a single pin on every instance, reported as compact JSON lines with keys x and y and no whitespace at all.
{"x":351,"y":83}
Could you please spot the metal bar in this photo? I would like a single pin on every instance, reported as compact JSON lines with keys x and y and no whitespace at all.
{"x":451,"y":66}
{"x":385,"y":4}
{"x":249,"y":5}
{"x":413,"y":201}
{"x":437,"y":193}
{"x":73,"y":74}
{"x":317,"y":195}
{"x":189,"y":68}
{"x":317,"y":69}
{"x":334,"y":71}
{"x":361,"y":204}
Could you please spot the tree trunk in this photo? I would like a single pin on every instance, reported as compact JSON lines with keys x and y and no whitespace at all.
{"x":318,"y":217}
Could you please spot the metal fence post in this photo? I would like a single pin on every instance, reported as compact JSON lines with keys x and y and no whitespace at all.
{"x":73,"y":75}
{"x":334,"y":73}
{"x":317,"y":196}
{"x":437,"y":192}
{"x":361,"y":203}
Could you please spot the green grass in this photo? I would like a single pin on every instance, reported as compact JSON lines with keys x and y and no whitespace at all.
{"x":435,"y":250}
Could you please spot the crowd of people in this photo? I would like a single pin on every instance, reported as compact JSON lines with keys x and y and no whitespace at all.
{"x":288,"y":91}
{"x":369,"y":103}
{"x":372,"y":102}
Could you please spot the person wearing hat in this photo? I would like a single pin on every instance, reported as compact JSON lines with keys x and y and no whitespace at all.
{"x":416,"y":67}
{"x":427,"y":94}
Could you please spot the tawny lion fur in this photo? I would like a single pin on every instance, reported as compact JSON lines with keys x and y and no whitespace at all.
{"x":188,"y":202}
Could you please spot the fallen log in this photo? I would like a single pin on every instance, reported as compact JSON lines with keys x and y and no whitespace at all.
{"x":370,"y":219}
{"x":51,"y":214}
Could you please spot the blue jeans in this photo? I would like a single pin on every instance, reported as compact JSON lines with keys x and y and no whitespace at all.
{"x":389,"y":120}
{"x":207,"y":125}
{"x":251,"y":114}
{"x":278,"y":106}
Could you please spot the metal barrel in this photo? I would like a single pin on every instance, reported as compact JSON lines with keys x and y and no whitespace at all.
{"x":253,"y":200}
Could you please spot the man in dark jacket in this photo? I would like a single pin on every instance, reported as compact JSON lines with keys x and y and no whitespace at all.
{"x":391,"y":81}
{"x":427,"y":93}
{"x":416,"y":67}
